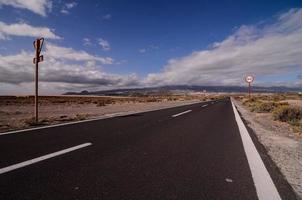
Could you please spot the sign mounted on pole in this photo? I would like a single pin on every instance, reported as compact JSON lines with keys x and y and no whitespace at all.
{"x":38,"y":44}
{"x":249,"y":79}
{"x":40,"y":59}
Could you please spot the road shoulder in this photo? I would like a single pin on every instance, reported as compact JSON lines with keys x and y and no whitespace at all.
{"x":275,"y":155}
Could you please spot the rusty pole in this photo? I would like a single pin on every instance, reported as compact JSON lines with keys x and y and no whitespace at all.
{"x":249,"y":90}
{"x":36,"y":81}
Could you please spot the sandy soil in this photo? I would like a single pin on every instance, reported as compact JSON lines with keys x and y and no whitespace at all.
{"x":294,"y":102}
{"x":284,"y":147}
{"x":14,"y":117}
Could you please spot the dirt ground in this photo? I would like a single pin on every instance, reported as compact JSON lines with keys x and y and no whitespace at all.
{"x":17,"y":113}
{"x":283,"y":146}
{"x":294,"y":102}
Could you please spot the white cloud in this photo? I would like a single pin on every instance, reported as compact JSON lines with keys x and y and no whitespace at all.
{"x":107,"y":16}
{"x":64,"y":11}
{"x":142,"y":50}
{"x":65,"y":53}
{"x":148,"y":48}
{"x":121,"y":62}
{"x":23,"y":29}
{"x":86,"y":42}
{"x":67,"y":6}
{"x":71,"y":5}
{"x":63,"y":69}
{"x":104,"y":44}
{"x":40,"y":7}
{"x":265,"y":50}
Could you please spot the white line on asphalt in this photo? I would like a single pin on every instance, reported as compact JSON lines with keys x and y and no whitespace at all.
{"x":204,"y":105}
{"x":176,"y":115}
{"x":95,"y":119}
{"x":39,"y":159}
{"x":265,"y":188}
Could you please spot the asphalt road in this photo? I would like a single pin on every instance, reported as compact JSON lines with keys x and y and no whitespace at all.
{"x":187,"y":152}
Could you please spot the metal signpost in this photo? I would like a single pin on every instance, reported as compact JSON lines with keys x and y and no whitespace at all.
{"x":38,"y":43}
{"x":249,"y":79}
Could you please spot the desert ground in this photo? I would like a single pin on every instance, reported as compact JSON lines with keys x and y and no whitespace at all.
{"x":283,"y":109}
{"x":17,"y":112}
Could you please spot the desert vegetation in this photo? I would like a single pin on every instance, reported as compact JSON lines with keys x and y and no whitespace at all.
{"x":282,"y":107}
{"x":98,"y":100}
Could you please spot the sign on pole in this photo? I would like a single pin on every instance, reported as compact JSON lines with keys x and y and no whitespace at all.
{"x":249,"y":79}
{"x":38,"y":43}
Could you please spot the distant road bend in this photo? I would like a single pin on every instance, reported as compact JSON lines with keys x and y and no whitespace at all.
{"x":198,"y":151}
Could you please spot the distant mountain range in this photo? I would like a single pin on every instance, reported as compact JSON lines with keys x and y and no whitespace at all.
{"x":181,"y":89}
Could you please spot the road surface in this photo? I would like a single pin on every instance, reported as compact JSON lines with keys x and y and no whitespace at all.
{"x":188,"y":152}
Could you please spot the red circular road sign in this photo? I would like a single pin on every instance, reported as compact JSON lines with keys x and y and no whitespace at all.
{"x":249,"y":79}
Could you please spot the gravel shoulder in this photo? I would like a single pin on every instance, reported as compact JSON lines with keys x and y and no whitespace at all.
{"x":284,"y":147}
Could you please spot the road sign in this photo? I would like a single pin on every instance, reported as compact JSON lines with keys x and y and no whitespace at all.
{"x":249,"y":79}
{"x":40,"y":59}
{"x":38,"y":44}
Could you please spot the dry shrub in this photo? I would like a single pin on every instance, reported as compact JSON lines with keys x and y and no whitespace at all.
{"x":256,"y":105}
{"x":32,"y":122}
{"x":4,"y":112}
{"x":274,"y":97}
{"x":172,"y":98}
{"x":291,"y":114}
{"x":105,"y":102}
{"x":81,"y":116}
{"x":265,"y":107}
{"x":250,"y":102}
{"x":278,"y":97}
{"x":238,"y":98}
{"x":101,"y":103}
{"x":152,"y":100}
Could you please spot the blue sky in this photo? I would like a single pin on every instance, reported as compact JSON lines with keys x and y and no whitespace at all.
{"x":147,"y":43}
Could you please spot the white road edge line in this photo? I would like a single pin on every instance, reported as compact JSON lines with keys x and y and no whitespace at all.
{"x":265,"y":188}
{"x":39,"y":159}
{"x":176,"y":115}
{"x":204,"y":105}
